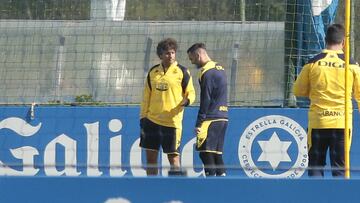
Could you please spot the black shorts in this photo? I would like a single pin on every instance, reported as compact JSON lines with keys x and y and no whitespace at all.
{"x":211,"y":136}
{"x":323,"y":140}
{"x":152,"y":136}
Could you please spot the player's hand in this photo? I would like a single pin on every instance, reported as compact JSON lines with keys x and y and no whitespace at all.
{"x":185,"y":102}
{"x":197,"y":131}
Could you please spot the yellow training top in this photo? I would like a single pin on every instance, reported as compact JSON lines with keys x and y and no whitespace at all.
{"x":323,"y":81}
{"x":163,"y":93}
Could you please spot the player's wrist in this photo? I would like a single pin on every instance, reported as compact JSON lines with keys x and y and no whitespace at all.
{"x":187,"y":102}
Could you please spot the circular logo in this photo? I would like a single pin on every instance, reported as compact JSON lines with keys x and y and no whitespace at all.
{"x":278,"y":145}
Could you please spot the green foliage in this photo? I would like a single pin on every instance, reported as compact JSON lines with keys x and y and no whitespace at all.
{"x":224,"y":10}
{"x":45,"y":9}
{"x":86,"y":99}
{"x":83,"y":99}
{"x":54,"y":102}
{"x":220,"y":10}
{"x":265,"y":10}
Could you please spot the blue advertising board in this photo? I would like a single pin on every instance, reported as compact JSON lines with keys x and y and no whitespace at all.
{"x":176,"y":190}
{"x":103,"y":141}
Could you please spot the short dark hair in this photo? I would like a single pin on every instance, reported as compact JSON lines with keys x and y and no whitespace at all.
{"x":195,"y":47}
{"x":166,"y":44}
{"x":335,"y":34}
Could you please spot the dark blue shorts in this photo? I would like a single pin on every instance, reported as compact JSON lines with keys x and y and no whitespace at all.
{"x":323,"y":140}
{"x":211,"y":136}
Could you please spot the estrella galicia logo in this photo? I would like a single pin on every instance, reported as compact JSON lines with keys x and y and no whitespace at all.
{"x":273,"y":146}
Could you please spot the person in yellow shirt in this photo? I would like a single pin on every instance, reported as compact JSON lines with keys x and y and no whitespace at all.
{"x":168,"y":89}
{"x":322,"y":79}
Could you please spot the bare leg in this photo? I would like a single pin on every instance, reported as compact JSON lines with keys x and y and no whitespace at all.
{"x":151,"y":159}
{"x":175,"y":169}
{"x":174,"y":160}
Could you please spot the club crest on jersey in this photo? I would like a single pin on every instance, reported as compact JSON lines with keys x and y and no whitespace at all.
{"x":273,"y":146}
{"x":162,"y":86}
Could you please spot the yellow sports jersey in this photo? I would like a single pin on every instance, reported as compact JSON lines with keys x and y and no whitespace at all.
{"x":164,"y":92}
{"x":323,"y":81}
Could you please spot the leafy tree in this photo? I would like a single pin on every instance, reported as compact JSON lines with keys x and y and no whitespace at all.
{"x":45,"y":9}
{"x":212,"y":10}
